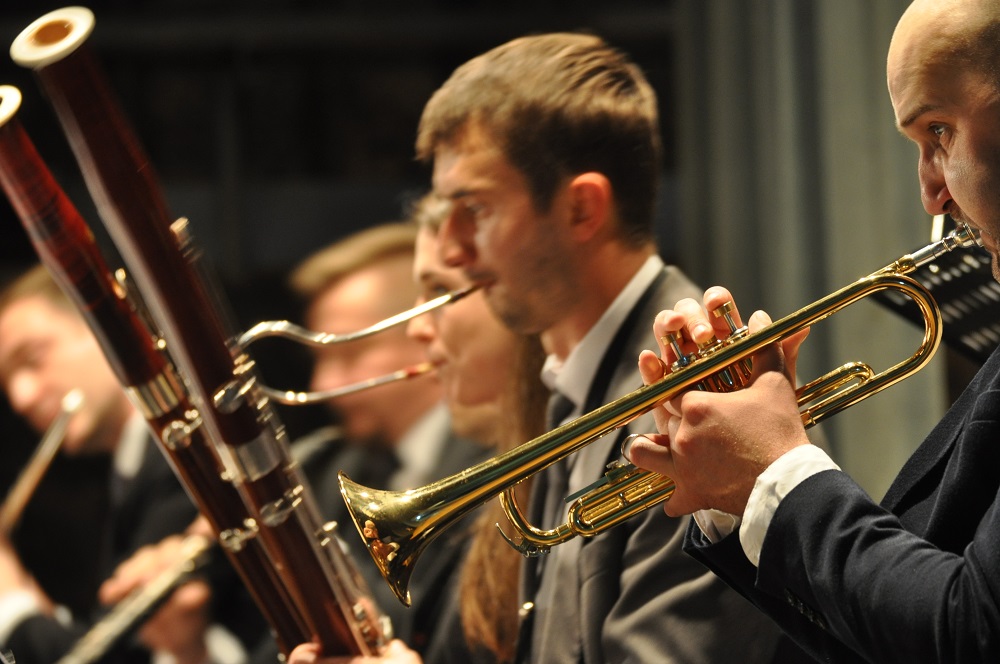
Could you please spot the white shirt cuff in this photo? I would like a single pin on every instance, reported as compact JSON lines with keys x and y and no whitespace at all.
{"x":772,"y":485}
{"x":15,"y":607}
{"x":716,"y":524}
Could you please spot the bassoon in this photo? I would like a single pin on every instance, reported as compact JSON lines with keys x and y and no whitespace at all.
{"x":220,"y":379}
{"x":68,"y":249}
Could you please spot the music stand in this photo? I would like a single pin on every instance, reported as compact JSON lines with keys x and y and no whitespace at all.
{"x":963,"y":285}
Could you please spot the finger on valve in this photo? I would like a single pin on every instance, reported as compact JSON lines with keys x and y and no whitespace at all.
{"x":724,"y":315}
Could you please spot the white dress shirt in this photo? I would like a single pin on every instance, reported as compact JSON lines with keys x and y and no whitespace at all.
{"x":784,"y":474}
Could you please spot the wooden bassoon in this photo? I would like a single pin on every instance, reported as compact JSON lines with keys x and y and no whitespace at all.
{"x":220,"y":380}
{"x":68,"y":249}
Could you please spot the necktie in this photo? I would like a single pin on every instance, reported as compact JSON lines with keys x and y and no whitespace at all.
{"x":558,"y":409}
{"x":558,"y":588}
{"x":557,"y":484}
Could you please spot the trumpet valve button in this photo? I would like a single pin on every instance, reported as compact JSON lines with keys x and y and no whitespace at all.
{"x":726,"y":311}
{"x":674,"y":340}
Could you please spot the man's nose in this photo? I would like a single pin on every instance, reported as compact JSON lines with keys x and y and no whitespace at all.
{"x":23,"y":391}
{"x":421,"y":328}
{"x":455,"y":246}
{"x":934,"y":192}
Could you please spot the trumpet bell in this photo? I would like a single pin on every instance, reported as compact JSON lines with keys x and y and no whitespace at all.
{"x":393,"y":540}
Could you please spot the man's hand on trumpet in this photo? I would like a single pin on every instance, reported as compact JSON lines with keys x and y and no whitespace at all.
{"x":715,"y":445}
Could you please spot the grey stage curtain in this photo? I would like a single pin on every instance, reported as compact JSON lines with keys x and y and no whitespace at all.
{"x":793,"y":182}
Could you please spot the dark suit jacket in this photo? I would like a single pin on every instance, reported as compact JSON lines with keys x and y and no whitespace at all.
{"x":631,"y":594}
{"x":153,"y":505}
{"x":914,"y":580}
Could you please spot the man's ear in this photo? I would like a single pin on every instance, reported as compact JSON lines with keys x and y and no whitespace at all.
{"x":590,"y":196}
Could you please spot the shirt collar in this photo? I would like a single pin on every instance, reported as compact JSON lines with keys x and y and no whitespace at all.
{"x":419,"y":450}
{"x":131,"y":447}
{"x":573,"y":377}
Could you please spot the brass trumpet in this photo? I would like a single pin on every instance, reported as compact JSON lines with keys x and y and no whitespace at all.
{"x":397,"y":526}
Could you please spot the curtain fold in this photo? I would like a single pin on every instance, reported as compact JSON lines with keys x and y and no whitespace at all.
{"x":794,"y":182}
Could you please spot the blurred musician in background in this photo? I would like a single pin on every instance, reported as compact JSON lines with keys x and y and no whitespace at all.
{"x":46,"y":350}
{"x":495,"y":398}
{"x":394,"y":436}
{"x":397,"y":436}
{"x":548,"y":150}
{"x":915,"y":578}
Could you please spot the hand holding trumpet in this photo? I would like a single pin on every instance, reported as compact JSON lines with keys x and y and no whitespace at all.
{"x":714,"y":445}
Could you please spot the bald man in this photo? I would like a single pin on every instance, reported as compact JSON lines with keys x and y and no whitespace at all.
{"x":917,"y":578}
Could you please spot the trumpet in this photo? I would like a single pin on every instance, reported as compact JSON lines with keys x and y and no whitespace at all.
{"x":31,"y":476}
{"x":397,"y":526}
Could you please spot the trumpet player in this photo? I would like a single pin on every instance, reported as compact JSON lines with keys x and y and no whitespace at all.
{"x":915,"y":578}
{"x":46,"y":349}
{"x":547,"y":149}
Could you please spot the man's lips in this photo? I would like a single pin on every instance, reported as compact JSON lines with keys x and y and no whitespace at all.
{"x":479,"y":279}
{"x":436,"y":364}
{"x":987,"y":240}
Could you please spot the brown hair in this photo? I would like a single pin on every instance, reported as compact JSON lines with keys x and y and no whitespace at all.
{"x":35,"y":281}
{"x":488,"y":586}
{"x":357,"y":251}
{"x":558,"y":105}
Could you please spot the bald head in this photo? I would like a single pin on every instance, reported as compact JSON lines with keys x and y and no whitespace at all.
{"x":943,"y":72}
{"x":945,"y":33}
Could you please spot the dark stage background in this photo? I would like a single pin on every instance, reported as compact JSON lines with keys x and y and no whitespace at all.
{"x":275,"y":127}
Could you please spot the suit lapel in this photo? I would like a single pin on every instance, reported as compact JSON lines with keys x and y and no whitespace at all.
{"x":941,"y":441}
